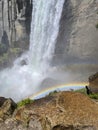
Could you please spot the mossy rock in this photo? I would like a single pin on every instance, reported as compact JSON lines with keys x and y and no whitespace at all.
{"x":4,"y":58}
{"x":15,"y":51}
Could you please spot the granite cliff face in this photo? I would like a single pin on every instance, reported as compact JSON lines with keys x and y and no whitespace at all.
{"x":61,"y":111}
{"x":78,"y":35}
{"x":15,"y":20}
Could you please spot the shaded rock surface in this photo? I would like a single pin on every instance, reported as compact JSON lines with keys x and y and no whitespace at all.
{"x":15,"y":21}
{"x":61,"y":111}
{"x":93,"y":83}
{"x":7,"y":107}
{"x":2,"y":100}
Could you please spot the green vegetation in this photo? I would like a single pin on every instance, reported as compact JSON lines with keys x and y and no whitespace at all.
{"x":15,"y":50}
{"x":83,"y":90}
{"x":97,"y":25}
{"x":24,"y":102}
{"x":52,"y":93}
{"x":94,"y":96}
{"x":6,"y":57}
{"x":3,"y":49}
{"x":3,"y":58}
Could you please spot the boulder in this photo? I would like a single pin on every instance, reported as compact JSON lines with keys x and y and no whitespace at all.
{"x":2,"y":100}
{"x":7,"y":107}
{"x":93,"y":83}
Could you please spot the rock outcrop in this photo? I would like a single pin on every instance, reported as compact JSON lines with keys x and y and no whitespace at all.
{"x":60,"y":111}
{"x":93,"y":83}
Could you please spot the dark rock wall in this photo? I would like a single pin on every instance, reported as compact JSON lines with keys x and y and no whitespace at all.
{"x":19,"y":19}
{"x":15,"y":21}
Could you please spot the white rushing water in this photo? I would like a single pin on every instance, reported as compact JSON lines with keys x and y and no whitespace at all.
{"x":44,"y":30}
{"x":23,"y":80}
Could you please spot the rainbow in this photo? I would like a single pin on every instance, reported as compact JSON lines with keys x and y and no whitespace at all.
{"x":63,"y":87}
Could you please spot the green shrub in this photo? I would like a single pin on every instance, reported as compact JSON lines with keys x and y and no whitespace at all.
{"x":83,"y":90}
{"x":52,"y":93}
{"x":3,"y":58}
{"x":93,"y":96}
{"x":24,"y":102}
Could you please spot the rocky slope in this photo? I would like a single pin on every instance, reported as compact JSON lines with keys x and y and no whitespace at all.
{"x":61,"y":111}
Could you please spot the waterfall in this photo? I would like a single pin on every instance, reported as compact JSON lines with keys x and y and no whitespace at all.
{"x":21,"y":81}
{"x":44,"y":30}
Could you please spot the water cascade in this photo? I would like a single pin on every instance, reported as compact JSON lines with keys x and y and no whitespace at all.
{"x":23,"y":80}
{"x":44,"y":30}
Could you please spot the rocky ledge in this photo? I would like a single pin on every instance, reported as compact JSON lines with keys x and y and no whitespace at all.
{"x":60,"y":111}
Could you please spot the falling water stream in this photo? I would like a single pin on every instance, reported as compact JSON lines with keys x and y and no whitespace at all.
{"x":23,"y":80}
{"x":44,"y":30}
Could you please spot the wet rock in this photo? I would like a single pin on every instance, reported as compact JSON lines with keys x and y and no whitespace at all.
{"x":23,"y":62}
